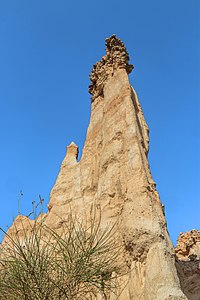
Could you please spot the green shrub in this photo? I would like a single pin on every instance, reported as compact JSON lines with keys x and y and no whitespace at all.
{"x":75,"y":263}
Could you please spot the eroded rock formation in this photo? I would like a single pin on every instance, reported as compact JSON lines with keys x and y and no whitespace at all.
{"x":188,"y":263}
{"x":116,"y":58}
{"x":113,"y":174}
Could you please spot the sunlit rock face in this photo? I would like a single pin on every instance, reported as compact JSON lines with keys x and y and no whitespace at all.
{"x":114,"y":174}
{"x":188,"y":263}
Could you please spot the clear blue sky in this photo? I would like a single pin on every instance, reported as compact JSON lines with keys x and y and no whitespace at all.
{"x":47,"y":49}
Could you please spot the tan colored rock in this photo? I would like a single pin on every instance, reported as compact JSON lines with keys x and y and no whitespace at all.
{"x":188,"y":245}
{"x":113,"y":174}
{"x":188,"y":263}
{"x":116,"y":58}
{"x":20,"y":228}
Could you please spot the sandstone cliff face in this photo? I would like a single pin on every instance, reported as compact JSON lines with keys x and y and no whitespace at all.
{"x":188,"y":263}
{"x":114,"y":175}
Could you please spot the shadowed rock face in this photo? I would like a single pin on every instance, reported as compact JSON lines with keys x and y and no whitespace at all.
{"x":188,"y":263}
{"x":113,"y":174}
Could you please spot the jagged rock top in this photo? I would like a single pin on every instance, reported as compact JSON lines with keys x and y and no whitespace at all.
{"x":116,"y":58}
{"x":188,"y":245}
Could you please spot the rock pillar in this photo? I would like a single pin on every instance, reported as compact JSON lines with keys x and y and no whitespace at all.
{"x":114,"y":174}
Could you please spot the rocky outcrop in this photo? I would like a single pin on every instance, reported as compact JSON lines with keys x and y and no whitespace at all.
{"x":113,"y":174}
{"x":188,"y":246}
{"x":188,"y":263}
{"x":116,"y":58}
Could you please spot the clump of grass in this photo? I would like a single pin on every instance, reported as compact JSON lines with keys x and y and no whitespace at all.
{"x":39,"y":263}
{"x":27,"y":264}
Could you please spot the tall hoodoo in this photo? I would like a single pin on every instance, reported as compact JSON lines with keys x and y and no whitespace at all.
{"x":114,"y":174}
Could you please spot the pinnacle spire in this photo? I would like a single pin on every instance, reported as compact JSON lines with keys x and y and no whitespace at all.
{"x":72,"y":154}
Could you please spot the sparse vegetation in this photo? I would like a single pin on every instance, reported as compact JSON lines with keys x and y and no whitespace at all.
{"x":77,"y":262}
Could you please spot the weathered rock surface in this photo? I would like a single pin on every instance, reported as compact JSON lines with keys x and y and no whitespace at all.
{"x":116,"y":58}
{"x":188,"y":246}
{"x":188,"y":263}
{"x":113,"y":174}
